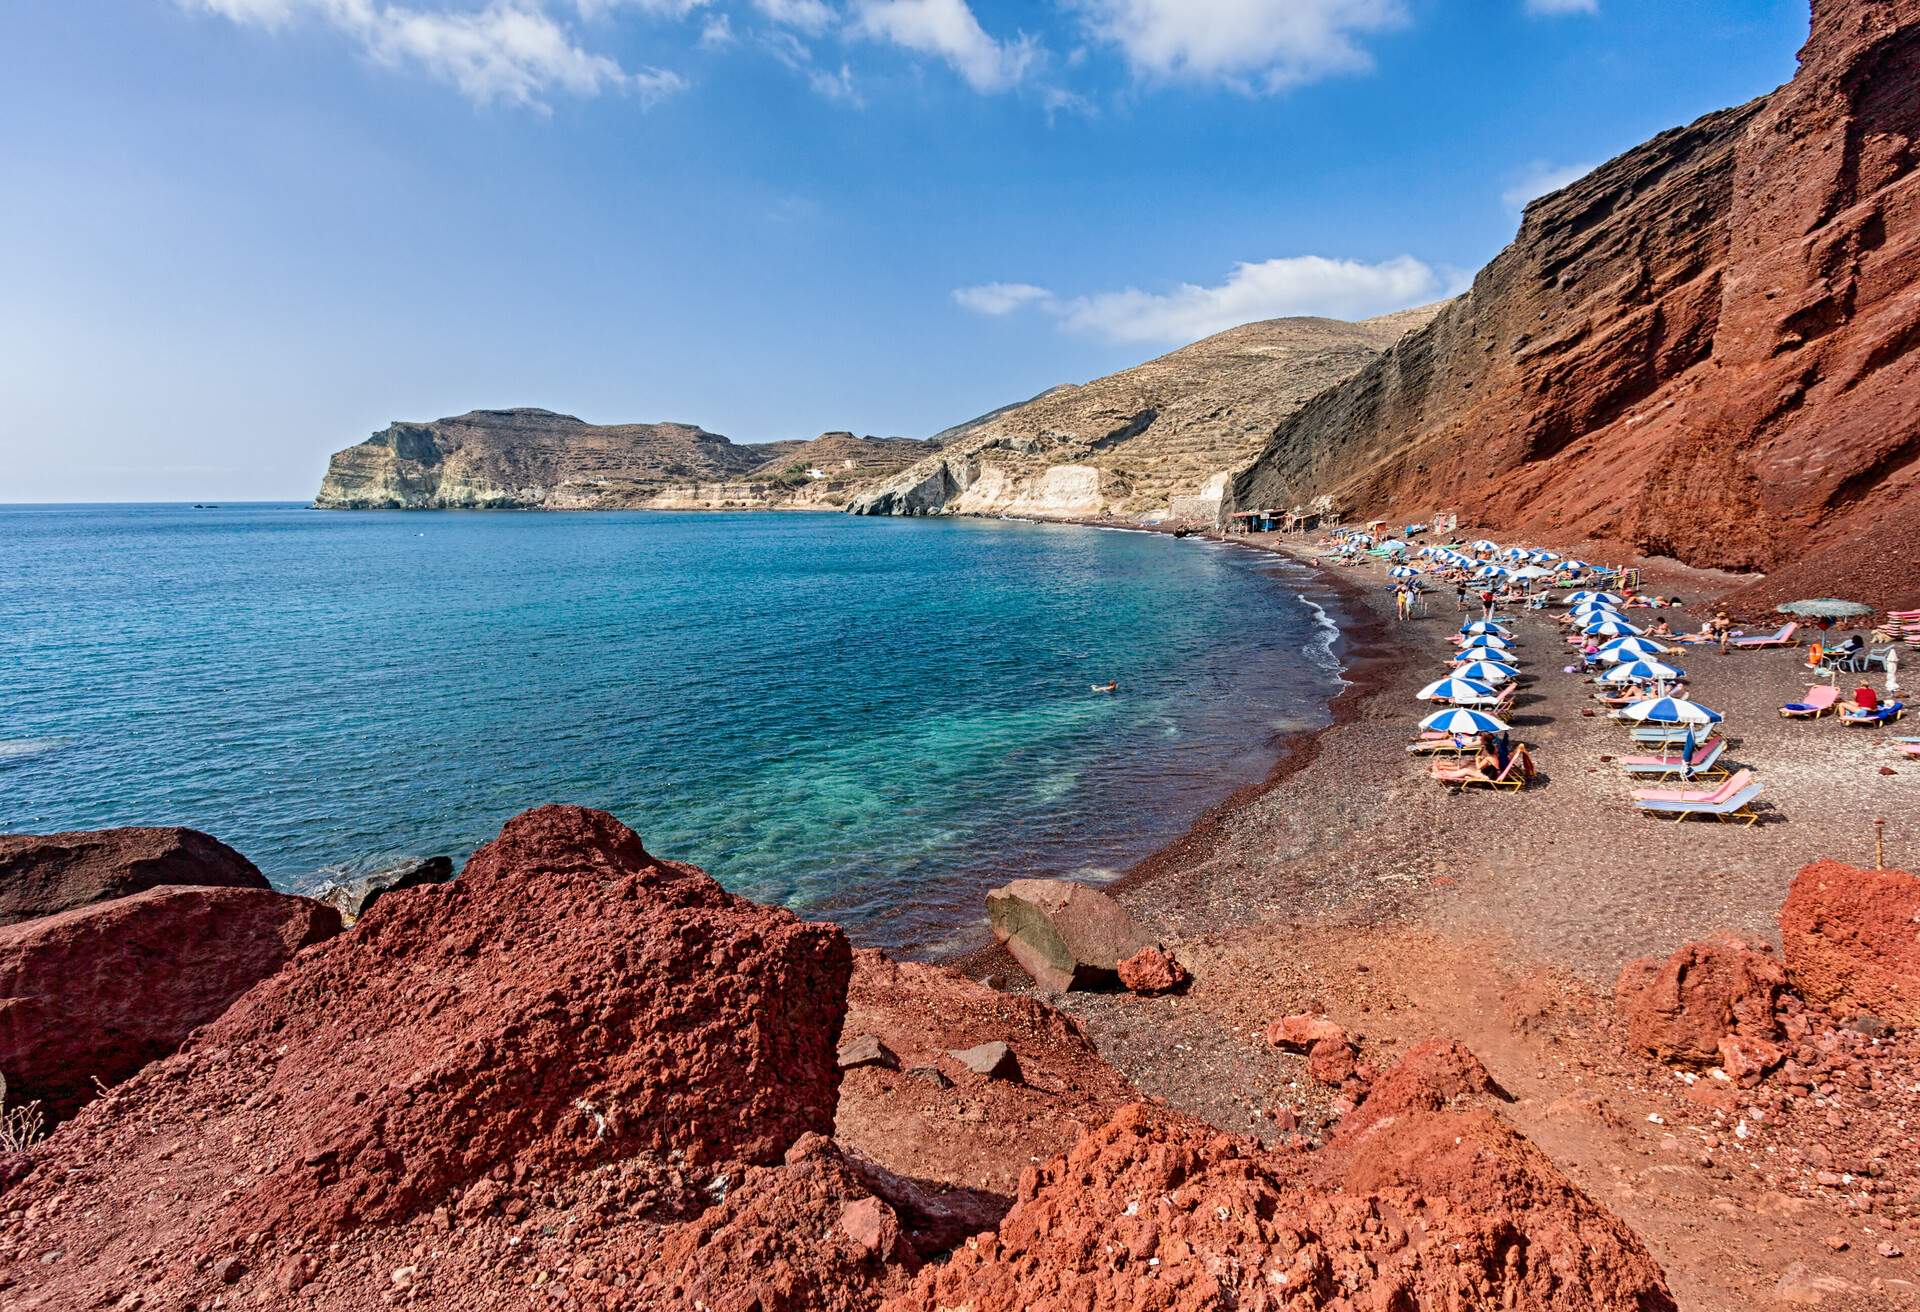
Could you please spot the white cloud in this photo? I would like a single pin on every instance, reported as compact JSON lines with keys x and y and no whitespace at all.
{"x":1272,"y":289}
{"x":1563,"y":6}
{"x":811,"y":16}
{"x":657,"y":8}
{"x":1000,"y":298}
{"x":717,"y":34}
{"x":1253,"y":45}
{"x":1539,"y":179}
{"x":948,"y":29}
{"x":509,"y":51}
{"x":836,"y":85}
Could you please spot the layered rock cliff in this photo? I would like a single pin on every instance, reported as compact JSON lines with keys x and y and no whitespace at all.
{"x":536,"y":459}
{"x":1143,"y":440}
{"x":1708,"y":348}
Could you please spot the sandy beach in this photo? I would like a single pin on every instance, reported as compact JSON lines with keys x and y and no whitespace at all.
{"x":1351,"y":882}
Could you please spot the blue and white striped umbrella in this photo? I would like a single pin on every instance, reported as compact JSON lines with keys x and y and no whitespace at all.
{"x":1486,"y":626}
{"x":1612,"y":627}
{"x":1496,"y":641}
{"x":1672,"y":710}
{"x":1429,"y":551}
{"x":1515,"y":553}
{"x":1484,"y":545}
{"x":1572,"y":566}
{"x":1628,"y":649}
{"x":1642,"y":672}
{"x":1580,"y":598}
{"x":1491,"y":673}
{"x":1455,"y":690}
{"x":1460,"y":719}
{"x":1485,"y":653}
{"x":1590,"y":614}
{"x":1543,"y":555}
{"x":1403,"y":572}
{"x":1490,"y":572}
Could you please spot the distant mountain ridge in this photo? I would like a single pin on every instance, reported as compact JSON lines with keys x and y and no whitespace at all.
{"x":529,"y":458}
{"x":1160,"y":438}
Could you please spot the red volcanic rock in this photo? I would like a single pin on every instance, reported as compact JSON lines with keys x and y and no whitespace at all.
{"x":572,"y":1018}
{"x":804,"y":1236}
{"x":1433,"y":1075}
{"x":1157,"y":1213}
{"x":1333,"y":1061}
{"x":1065,"y":935}
{"x":1851,"y":939}
{"x":1152,"y":970}
{"x":1707,"y":348}
{"x":97,"y":992}
{"x":1680,"y":1009}
{"x":1302,"y":1030}
{"x":44,"y":874}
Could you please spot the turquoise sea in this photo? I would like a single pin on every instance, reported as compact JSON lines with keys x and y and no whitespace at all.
{"x":872,"y":719}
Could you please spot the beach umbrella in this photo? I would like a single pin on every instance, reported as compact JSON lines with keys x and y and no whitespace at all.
{"x":1643,"y":671}
{"x":1498,"y":641}
{"x":1631,"y":649}
{"x":1583,"y":596}
{"x":1571,"y":566}
{"x":1515,"y":553}
{"x":1489,"y":571}
{"x":1487,"y":672}
{"x":1596,"y":610}
{"x":1531,"y":572}
{"x":1460,"y":719}
{"x":1612,"y":627}
{"x":1543,"y":555}
{"x":1455,"y":689}
{"x":1486,"y":626}
{"x":1500,"y":654}
{"x":1825,"y":608}
{"x":1671,"y":710}
{"x":1403,"y":572}
{"x":1394,"y":546}
{"x":1484,"y":545}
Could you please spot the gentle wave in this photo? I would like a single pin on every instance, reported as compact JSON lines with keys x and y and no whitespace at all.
{"x":18,"y":748}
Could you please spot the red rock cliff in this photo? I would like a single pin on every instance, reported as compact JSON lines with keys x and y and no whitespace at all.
{"x":1709,"y":347}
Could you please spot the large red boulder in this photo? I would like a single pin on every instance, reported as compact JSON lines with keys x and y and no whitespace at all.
{"x":573,"y":1031}
{"x":44,"y":874}
{"x":1851,"y":939}
{"x":95,"y":993}
{"x":1157,"y":1213}
{"x":1680,"y":1008}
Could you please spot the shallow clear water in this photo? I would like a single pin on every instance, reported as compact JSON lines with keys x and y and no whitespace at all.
{"x":870,"y":718}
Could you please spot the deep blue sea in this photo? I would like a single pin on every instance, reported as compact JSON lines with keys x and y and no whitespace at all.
{"x":873,"y":719}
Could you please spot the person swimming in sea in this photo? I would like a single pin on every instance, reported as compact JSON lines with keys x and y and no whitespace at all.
{"x":1113,"y":686}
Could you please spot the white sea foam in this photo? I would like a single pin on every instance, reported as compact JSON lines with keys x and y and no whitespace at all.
{"x":16,"y":748}
{"x":1325,"y":634}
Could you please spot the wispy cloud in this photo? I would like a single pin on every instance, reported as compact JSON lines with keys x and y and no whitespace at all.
{"x":509,"y":51}
{"x":811,"y":16}
{"x":948,"y":29}
{"x":1540,"y":178}
{"x":717,"y":33}
{"x":1252,"y":45}
{"x":1271,"y":289}
{"x":1563,"y":6}
{"x":1000,"y":298}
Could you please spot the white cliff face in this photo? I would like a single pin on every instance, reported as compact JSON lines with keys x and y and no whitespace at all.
{"x":1143,"y":441}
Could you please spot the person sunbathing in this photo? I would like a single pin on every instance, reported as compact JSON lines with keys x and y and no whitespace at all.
{"x":1661,"y":629}
{"x":1864,"y":699}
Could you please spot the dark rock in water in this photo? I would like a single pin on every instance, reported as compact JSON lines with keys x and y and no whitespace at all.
{"x":995,"y":1061}
{"x":354,"y":897}
{"x":99,"y":991}
{"x":866,"y":1050}
{"x":1065,"y":935}
{"x":45,"y":874}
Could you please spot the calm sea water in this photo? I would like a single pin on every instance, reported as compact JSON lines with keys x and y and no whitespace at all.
{"x":870,"y":718}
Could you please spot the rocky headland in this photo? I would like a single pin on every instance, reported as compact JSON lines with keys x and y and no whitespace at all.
{"x":1708,"y":348}
{"x":530,"y":459}
{"x":1159,"y":439}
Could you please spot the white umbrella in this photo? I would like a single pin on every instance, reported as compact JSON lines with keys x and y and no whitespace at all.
{"x":1487,"y":672}
{"x":1460,"y":719}
{"x":1531,"y":572}
{"x":1640,"y":671}
{"x":1672,"y":710}
{"x":1455,"y":690}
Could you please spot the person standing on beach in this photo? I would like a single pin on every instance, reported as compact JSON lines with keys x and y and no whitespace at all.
{"x":1486,"y":604}
{"x":1459,"y":596}
{"x":1722,"y":630}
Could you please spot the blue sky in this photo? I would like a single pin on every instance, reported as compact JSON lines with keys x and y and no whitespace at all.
{"x":236,"y":235}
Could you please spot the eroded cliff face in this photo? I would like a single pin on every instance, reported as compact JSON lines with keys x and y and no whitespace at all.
{"x":536,"y":459}
{"x":1708,"y":348}
{"x":1143,"y":440}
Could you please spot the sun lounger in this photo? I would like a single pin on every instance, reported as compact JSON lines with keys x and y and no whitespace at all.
{"x":1818,"y":701}
{"x":1878,"y":716}
{"x":1731,"y":801}
{"x":1911,"y":749}
{"x":1704,"y":764}
{"x":1783,"y":637}
{"x":1460,"y":779}
{"x":1430,"y":743}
